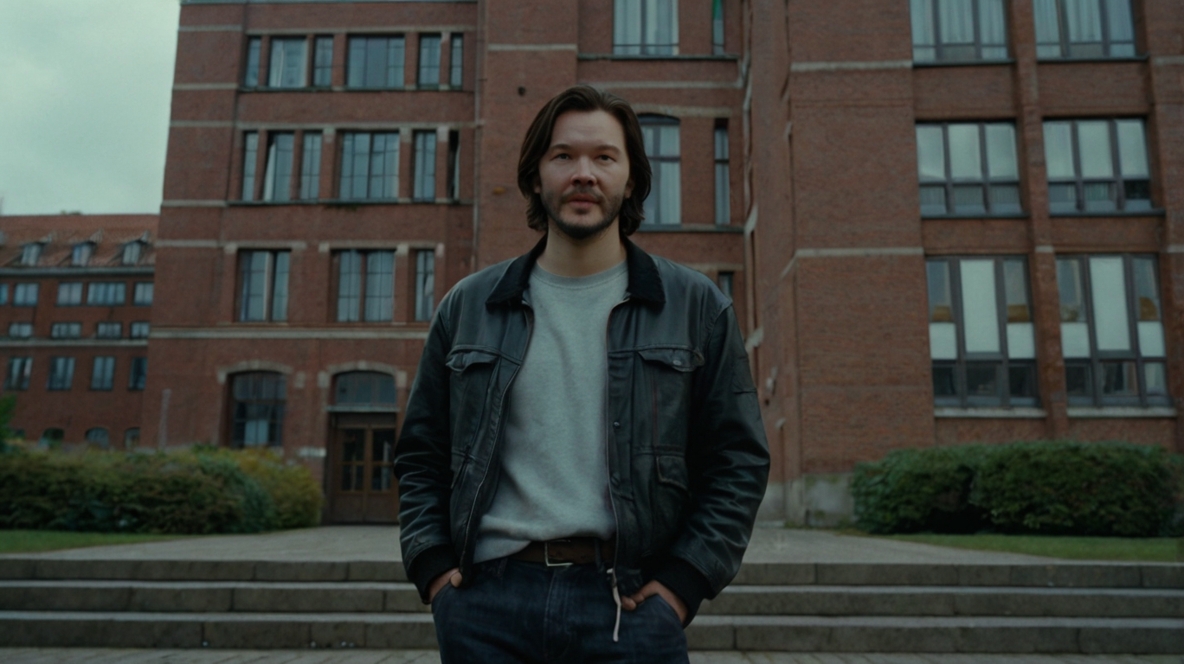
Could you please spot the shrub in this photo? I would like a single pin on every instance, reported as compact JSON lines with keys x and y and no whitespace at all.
{"x":1045,"y":487}
{"x":203,"y":491}
{"x":911,"y":490}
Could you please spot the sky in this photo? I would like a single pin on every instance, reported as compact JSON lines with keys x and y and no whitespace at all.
{"x":85,"y":88}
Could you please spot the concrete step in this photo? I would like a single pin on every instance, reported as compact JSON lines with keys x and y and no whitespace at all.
{"x":1058,"y":574}
{"x":378,"y":597}
{"x":767,"y":633}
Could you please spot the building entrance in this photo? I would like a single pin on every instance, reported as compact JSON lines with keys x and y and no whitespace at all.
{"x":362,"y":485}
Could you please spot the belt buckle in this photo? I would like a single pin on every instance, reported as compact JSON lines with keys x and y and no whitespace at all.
{"x":547,"y":554}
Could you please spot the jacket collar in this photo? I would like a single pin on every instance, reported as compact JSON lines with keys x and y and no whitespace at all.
{"x":644,"y":281}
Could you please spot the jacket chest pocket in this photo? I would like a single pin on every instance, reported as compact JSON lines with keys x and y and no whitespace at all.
{"x":668,"y":374}
{"x":470,"y":381}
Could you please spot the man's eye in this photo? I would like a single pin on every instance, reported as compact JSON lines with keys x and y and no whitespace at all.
{"x":562,"y":155}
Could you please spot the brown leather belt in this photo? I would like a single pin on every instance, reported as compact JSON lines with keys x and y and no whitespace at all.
{"x":568,"y":551}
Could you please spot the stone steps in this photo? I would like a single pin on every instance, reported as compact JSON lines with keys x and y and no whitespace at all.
{"x":881,"y":634}
{"x":388,"y":597}
{"x":1057,"y":607}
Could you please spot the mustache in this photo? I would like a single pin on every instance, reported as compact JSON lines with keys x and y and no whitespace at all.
{"x":583,"y":192}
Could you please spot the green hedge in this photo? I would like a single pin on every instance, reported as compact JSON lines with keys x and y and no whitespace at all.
{"x":1062,"y":488}
{"x":197,"y":492}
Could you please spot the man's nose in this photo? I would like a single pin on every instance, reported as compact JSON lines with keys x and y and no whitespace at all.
{"x":583,"y":173}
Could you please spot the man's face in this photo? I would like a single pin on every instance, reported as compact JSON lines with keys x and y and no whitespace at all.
{"x":584,"y":175}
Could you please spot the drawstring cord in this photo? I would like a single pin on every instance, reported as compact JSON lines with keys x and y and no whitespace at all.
{"x":616,"y":598}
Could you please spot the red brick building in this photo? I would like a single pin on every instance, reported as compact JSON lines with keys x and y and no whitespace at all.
{"x":943,"y":221}
{"x":75,"y":302}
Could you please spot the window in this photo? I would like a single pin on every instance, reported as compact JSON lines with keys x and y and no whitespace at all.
{"x":968,"y":169}
{"x":981,"y":338}
{"x":277,"y":178}
{"x":98,"y":437}
{"x":660,"y":135}
{"x":139,"y":330}
{"x":102,"y":377}
{"x":61,"y":373}
{"x":107,"y":293}
{"x":726,"y":281}
{"x":139,"y":374}
{"x":958,"y":30}
{"x":723,"y":194}
{"x":310,"y":167}
{"x":456,"y":63}
{"x":717,"y":27}
{"x":645,"y":27}
{"x":24,"y":295}
{"x":429,"y":61}
{"x":51,"y":437}
{"x":322,"y":67}
{"x":375,"y":62}
{"x":370,"y":166}
{"x":30,"y":254}
{"x":425,"y":166}
{"x":1084,"y":29}
{"x":250,"y":163}
{"x":1097,"y":166}
{"x":131,"y":438}
{"x":65,"y":331}
{"x":109,"y":330}
{"x":3,"y":293}
{"x":142,"y":295}
{"x":19,"y":370}
{"x":80,"y":256}
{"x":20,"y":330}
{"x":251,"y":73}
{"x":376,"y":291}
{"x":425,"y":284}
{"x":1112,"y":334}
{"x":257,"y":409}
{"x":131,"y":252}
{"x":364,"y":388}
{"x":288,"y":60}
{"x":454,"y":165}
{"x":263,"y":286}
{"x":69,"y":294}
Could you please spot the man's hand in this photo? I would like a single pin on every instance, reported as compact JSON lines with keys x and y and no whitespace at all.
{"x":451,"y":576}
{"x":631,"y":602}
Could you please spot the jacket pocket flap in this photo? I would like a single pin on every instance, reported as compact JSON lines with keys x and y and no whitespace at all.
{"x":459,"y":360}
{"x":679,"y":359}
{"x":672,"y":470}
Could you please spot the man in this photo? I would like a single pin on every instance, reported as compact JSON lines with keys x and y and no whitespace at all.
{"x":583,"y":434}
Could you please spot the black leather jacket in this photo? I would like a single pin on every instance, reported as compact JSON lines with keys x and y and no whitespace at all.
{"x":687,"y":455}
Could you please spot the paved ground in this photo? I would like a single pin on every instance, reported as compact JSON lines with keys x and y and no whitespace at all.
{"x":71,"y":656}
{"x":338,"y":543}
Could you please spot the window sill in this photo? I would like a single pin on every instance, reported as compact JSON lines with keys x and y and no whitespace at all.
{"x":1153,"y":212}
{"x":1074,"y":61}
{"x":727,"y":57}
{"x":1095,"y":412}
{"x":689,"y":228}
{"x":362,"y":409}
{"x":963,"y":63}
{"x":975,"y":217}
{"x":990,"y":413}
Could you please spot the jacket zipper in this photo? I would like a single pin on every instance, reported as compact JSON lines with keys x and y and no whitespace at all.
{"x":465,"y":552}
{"x":612,"y":571}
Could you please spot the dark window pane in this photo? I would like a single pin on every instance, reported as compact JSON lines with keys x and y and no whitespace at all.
{"x":1078,"y":380}
{"x":1021,"y":381}
{"x":982,"y":382}
{"x":968,"y":199}
{"x":1120,"y":379}
{"x":1138,"y":194}
{"x":933,"y":200}
{"x":1100,"y":196}
{"x":1005,"y":199}
{"x":1062,"y":197}
{"x":944,"y":382}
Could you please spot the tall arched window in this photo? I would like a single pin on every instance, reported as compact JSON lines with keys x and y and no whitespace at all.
{"x":257,"y":409}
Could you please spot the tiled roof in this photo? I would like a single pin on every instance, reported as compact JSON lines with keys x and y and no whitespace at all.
{"x":59,"y":234}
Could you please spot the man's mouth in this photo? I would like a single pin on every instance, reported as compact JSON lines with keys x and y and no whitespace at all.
{"x":583,"y":199}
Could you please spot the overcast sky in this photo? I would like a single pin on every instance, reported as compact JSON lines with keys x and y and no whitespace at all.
{"x":84,"y":104}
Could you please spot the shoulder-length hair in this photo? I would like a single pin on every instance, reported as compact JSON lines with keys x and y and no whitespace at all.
{"x":538,"y":141}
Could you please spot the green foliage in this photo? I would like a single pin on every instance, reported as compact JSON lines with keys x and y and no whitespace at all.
{"x":7,"y":406}
{"x":1062,"y":488}
{"x":210,"y":491}
{"x":912,"y":490}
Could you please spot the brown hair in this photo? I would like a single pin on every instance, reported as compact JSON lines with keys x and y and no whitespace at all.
{"x":538,"y":141}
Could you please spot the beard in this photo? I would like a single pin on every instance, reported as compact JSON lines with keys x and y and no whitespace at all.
{"x":579,"y":231}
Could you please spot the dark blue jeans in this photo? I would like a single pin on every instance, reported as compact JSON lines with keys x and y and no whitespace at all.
{"x":518,"y":611}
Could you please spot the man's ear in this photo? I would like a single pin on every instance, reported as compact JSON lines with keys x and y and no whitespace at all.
{"x":538,"y":184}
{"x":629,"y":188}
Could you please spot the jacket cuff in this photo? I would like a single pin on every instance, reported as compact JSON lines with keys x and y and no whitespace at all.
{"x":429,"y":564}
{"x":687,"y":582}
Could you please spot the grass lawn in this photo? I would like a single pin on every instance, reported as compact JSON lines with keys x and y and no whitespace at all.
{"x":1154,"y":549}
{"x":32,"y":541}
